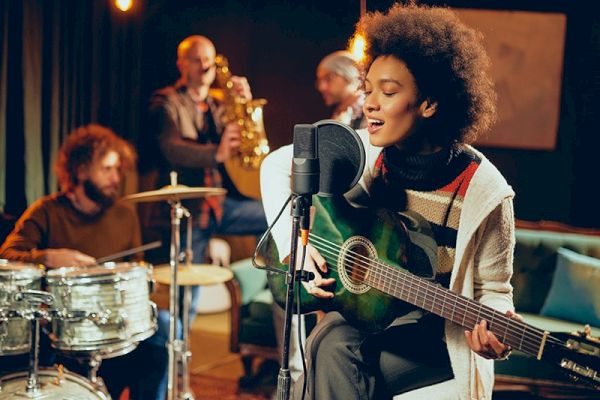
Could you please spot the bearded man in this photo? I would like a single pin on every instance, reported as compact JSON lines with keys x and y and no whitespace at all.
{"x":83,"y":221}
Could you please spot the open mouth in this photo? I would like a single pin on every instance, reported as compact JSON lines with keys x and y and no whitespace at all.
{"x":374,"y":124}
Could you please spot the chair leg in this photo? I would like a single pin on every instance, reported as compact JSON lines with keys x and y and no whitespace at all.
{"x":249,"y":379}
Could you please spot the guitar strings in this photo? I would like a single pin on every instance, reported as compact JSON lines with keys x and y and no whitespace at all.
{"x":429,"y":286}
{"x":526,"y":345}
{"x":469,"y":316}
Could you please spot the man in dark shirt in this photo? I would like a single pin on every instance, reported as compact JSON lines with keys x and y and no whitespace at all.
{"x":83,"y":222}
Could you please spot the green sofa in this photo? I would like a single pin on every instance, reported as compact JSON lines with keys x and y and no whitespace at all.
{"x":549,"y":300}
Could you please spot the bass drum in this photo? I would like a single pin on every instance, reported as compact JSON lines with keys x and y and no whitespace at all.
{"x":53,"y":385}
{"x":14,"y":329}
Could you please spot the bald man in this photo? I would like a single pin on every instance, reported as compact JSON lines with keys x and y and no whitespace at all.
{"x":193,"y":141}
{"x":339,"y":81}
{"x":186,"y":135}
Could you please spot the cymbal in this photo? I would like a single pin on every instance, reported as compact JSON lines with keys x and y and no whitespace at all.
{"x":195,"y":274}
{"x":179,"y":192}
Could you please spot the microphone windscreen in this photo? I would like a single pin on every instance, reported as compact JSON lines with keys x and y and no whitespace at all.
{"x":305,"y":141}
{"x":341,"y":157}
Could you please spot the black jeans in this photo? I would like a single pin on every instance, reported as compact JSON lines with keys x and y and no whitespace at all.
{"x":345,"y":363}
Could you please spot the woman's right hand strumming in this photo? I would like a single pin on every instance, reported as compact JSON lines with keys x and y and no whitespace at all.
{"x":315,"y":263}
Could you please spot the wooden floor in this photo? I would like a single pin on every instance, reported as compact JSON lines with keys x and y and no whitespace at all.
{"x":214,"y":369}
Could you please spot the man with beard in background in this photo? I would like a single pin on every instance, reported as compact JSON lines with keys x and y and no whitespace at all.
{"x":74,"y":227}
{"x":82,"y":222}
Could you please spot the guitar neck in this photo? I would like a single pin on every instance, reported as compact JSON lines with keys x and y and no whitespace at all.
{"x":455,"y":308}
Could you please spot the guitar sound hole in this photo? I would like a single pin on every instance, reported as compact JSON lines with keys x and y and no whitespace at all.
{"x":357,"y":265}
{"x":354,"y":261}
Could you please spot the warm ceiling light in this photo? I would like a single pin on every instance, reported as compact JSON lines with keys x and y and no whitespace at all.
{"x":124,"y":5}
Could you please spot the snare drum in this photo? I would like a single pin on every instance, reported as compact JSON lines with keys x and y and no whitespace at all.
{"x":114,"y":298}
{"x":14,"y":330}
{"x":54,"y":385}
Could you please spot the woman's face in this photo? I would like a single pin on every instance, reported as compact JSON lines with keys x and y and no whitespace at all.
{"x":391,"y":105}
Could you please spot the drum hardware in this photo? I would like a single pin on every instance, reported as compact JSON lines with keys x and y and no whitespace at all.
{"x":34,"y":299}
{"x":107,"y":317}
{"x":177,"y":349}
{"x":14,"y":327}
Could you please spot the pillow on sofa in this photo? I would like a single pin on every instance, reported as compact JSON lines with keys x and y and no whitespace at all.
{"x":574,"y":293}
{"x":534,"y":264}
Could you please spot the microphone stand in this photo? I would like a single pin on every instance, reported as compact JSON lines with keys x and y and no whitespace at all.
{"x":300,"y":212}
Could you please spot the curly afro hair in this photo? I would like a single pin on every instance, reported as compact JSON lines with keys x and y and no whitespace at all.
{"x":448,"y":62}
{"x":86,"y":144}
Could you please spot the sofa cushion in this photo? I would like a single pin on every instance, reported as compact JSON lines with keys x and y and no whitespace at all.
{"x":574,"y":293}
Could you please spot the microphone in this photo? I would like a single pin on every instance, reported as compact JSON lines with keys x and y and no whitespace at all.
{"x":305,"y":173}
{"x":305,"y":165}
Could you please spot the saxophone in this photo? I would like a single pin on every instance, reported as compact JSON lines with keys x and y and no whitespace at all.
{"x":243,"y":169}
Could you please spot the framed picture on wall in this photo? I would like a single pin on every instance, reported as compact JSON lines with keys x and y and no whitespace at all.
{"x":527,"y":51}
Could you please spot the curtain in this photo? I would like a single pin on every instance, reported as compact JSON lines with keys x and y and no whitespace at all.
{"x":3,"y":74}
{"x":62,"y":64}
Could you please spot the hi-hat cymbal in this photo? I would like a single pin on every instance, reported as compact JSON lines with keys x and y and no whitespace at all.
{"x":179,"y":192}
{"x":195,"y":274}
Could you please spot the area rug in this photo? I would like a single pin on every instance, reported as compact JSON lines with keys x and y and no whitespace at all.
{"x":207,"y":387}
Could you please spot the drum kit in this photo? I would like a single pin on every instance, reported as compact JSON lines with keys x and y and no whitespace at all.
{"x":99,"y":312}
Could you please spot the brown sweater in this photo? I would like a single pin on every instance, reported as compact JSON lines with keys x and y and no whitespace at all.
{"x":52,"y":222}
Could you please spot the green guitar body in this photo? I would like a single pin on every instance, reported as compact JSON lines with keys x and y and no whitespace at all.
{"x":348,"y":227}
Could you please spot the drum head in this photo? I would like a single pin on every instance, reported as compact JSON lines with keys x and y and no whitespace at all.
{"x":19,"y":270}
{"x":96,"y":271}
{"x":52,"y":386}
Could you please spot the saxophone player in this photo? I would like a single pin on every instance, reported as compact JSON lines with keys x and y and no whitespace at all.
{"x":187,"y":135}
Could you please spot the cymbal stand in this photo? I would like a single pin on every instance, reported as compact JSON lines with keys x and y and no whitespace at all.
{"x":175,"y":345}
{"x":186,"y":355}
{"x":94,"y":361}
{"x":178,"y":349}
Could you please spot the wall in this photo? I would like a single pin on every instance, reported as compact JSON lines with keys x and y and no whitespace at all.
{"x":277,"y":44}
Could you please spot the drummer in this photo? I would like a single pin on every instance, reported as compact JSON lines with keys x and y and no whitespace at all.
{"x":83,"y":222}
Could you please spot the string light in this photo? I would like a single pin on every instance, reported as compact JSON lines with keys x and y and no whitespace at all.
{"x":124,"y":5}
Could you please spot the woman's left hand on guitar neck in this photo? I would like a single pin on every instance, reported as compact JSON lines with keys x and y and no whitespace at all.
{"x":485,"y":343}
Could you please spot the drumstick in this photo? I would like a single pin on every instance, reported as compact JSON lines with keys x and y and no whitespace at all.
{"x":124,"y":253}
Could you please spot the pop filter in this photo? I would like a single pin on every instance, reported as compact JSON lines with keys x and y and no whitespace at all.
{"x":341,"y":157}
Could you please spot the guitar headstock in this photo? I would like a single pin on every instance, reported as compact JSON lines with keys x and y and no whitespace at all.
{"x":578,"y":353}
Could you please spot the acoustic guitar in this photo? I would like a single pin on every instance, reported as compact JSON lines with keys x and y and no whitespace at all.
{"x":366,"y":254}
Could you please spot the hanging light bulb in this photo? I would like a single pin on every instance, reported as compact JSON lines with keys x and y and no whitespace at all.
{"x":124,"y":5}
